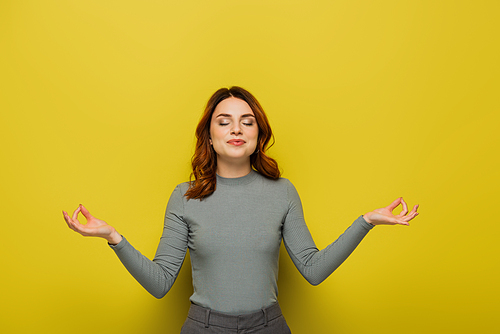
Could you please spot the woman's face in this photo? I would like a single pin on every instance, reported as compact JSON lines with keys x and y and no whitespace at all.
{"x":233,"y":131}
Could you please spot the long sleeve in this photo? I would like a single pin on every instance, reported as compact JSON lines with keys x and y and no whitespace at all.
{"x":158,"y":276}
{"x":313,"y":264}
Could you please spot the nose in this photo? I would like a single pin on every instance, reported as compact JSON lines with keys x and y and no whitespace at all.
{"x":236,"y":130}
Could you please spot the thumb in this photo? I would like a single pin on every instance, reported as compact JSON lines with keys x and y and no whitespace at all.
{"x":85,"y":212}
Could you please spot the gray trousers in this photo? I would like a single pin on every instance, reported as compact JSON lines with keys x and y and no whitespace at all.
{"x":268,"y":320}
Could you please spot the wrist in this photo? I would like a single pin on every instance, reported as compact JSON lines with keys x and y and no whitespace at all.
{"x":114,"y":238}
{"x":367,"y":219}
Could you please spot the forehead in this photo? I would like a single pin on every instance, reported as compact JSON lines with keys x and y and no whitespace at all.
{"x":232,"y":106}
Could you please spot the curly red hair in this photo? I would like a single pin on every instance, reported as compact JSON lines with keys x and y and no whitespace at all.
{"x":204,"y":161}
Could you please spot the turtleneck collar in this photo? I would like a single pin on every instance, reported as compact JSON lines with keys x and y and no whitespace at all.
{"x":237,"y":180}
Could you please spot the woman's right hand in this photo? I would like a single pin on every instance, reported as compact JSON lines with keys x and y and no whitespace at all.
{"x":94,"y":227}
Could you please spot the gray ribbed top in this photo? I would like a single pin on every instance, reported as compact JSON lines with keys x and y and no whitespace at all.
{"x":233,"y":237}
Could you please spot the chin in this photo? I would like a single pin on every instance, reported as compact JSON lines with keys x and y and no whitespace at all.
{"x":234,"y":157}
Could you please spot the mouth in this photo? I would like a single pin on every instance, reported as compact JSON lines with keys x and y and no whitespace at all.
{"x":236,"y":142}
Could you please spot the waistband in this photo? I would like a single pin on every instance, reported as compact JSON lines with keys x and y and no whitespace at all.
{"x":210,"y":317}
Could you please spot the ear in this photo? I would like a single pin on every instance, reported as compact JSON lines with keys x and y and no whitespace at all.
{"x":210,"y":141}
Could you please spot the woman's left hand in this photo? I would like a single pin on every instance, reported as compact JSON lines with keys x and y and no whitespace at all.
{"x":384,"y":216}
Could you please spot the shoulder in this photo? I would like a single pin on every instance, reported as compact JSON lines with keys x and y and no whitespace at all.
{"x":182,"y":188}
{"x":282,"y":187}
{"x":177,"y":195}
{"x":292,"y":194}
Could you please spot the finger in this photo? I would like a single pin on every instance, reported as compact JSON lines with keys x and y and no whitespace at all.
{"x":85,"y":212}
{"x":75,"y":214}
{"x":69,"y":221}
{"x":413,"y":212}
{"x":74,"y":218}
{"x":410,"y":216}
{"x":403,"y":222}
{"x":405,"y":208}
{"x":394,"y":204}
{"x":399,"y":222}
{"x":75,"y":226}
{"x":414,"y":215}
{"x":66,"y":218}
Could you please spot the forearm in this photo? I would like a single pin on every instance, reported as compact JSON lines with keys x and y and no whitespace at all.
{"x":317,"y":265}
{"x":151,"y":275}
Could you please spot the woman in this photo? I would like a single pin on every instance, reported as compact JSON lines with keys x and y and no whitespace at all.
{"x":232,"y":217}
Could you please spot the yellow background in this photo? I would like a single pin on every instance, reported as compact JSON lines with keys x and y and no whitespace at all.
{"x":369,"y":101}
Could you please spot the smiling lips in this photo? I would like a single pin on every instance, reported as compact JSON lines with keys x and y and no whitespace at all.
{"x":236,"y":142}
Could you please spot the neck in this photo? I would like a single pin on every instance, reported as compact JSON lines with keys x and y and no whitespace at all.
{"x":233,"y":170}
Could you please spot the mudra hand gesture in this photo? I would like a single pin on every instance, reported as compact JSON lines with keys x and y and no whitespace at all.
{"x":384,"y":216}
{"x":94,"y":227}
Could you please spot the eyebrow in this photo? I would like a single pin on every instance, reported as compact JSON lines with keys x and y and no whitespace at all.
{"x":228,"y":115}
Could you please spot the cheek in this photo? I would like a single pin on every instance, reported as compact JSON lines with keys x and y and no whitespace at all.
{"x":255,"y":134}
{"x":214,"y":132}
